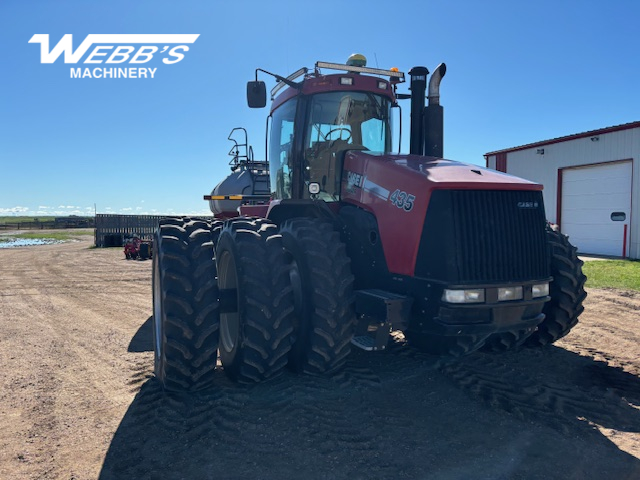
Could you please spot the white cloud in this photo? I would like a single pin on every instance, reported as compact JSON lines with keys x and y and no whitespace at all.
{"x":14,"y":210}
{"x":128,"y":209}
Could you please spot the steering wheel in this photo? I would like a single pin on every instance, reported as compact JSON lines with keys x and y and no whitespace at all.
{"x":339,"y":129}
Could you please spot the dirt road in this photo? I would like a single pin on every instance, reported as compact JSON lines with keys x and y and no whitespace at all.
{"x":78,"y":399}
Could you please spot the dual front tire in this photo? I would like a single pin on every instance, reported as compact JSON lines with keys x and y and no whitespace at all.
{"x":256,"y":327}
{"x":561,"y":312}
{"x":320,"y":276}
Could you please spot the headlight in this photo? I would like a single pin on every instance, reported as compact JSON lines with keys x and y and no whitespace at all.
{"x":463,"y":296}
{"x":540,"y":290}
{"x":510,"y":293}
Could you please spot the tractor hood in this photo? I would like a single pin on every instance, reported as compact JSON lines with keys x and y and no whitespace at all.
{"x":431,"y":172}
{"x":398,"y":190}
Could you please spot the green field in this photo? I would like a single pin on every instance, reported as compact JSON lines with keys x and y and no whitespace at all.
{"x":12,"y":219}
{"x":624,"y":274}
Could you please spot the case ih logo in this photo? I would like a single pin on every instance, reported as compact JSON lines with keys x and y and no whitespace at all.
{"x":116,"y":49}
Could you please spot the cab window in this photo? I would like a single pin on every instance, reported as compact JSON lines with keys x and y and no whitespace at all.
{"x":281,"y":149}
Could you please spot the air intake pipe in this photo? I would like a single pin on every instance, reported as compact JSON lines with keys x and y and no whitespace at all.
{"x":433,"y":117}
{"x":418,"y":88}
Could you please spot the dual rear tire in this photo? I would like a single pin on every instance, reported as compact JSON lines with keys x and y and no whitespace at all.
{"x":264,"y":299}
{"x":186,"y":314}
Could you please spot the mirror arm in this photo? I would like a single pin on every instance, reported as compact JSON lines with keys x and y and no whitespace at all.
{"x":297,"y":86}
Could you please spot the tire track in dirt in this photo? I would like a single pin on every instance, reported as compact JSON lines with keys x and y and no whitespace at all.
{"x":320,"y":411}
{"x":504,"y":382}
{"x":331,"y":416}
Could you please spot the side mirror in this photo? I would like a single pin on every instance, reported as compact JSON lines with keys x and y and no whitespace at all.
{"x":256,"y":94}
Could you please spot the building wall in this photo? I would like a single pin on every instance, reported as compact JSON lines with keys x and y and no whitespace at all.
{"x":612,"y":146}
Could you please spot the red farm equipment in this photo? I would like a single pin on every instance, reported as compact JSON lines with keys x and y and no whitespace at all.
{"x":333,"y":241}
{"x":137,"y":249}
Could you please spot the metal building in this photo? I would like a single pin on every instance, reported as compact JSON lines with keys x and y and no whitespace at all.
{"x":591,"y":185}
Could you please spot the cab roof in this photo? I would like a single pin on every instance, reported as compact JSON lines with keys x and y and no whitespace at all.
{"x":355,"y":78}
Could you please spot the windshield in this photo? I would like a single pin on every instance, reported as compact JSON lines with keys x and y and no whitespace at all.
{"x":356,"y":118}
{"x":341,"y":121}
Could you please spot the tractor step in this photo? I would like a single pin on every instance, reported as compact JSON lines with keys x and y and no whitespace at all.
{"x":378,"y":313}
{"x":365,"y":342}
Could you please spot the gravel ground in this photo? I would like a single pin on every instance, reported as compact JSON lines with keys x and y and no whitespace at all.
{"x":79,"y":401}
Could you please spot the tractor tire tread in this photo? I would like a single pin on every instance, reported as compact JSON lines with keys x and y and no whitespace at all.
{"x":566,"y":291}
{"x":332,"y":317}
{"x":268,"y":301}
{"x":501,"y":342}
{"x":190,"y":302}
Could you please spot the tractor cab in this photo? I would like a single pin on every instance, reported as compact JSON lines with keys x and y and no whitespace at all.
{"x":331,"y":123}
{"x":316,"y":121}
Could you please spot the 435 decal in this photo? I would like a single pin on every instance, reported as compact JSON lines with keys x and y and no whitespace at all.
{"x":402,"y":200}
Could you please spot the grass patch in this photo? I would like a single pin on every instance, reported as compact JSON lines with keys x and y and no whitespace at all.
{"x":61,"y":235}
{"x":624,"y":274}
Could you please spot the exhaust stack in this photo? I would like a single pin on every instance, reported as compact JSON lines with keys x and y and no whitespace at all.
{"x":433,"y":117}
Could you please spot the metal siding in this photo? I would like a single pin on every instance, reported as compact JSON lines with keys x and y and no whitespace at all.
{"x":613,"y":146}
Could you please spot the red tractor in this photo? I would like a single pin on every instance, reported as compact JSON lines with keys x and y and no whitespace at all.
{"x":334,"y":241}
{"x":137,"y":249}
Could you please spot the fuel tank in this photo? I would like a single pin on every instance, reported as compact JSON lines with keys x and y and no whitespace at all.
{"x":242,"y":181}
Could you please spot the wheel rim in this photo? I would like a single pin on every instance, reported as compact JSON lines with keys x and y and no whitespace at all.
{"x":230,"y":321}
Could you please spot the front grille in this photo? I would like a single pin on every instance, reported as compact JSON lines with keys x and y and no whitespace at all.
{"x":483,"y":236}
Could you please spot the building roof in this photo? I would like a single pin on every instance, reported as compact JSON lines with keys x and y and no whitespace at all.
{"x":591,"y":133}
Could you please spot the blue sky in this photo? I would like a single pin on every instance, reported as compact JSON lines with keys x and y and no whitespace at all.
{"x":518,"y":72}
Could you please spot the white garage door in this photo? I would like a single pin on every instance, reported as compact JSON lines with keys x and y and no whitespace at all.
{"x":596,"y":207}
